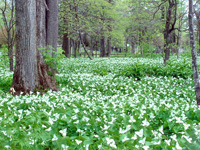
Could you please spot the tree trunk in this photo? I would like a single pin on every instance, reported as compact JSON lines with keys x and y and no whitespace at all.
{"x":102,"y":43}
{"x":108,"y":46}
{"x":52,"y":28}
{"x":66,"y":45}
{"x":133,"y":47}
{"x":169,"y":27}
{"x":194,"y":54}
{"x":52,"y":24}
{"x":31,"y":73}
{"x":198,"y":26}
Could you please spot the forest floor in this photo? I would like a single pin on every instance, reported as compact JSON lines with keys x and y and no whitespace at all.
{"x":117,"y":103}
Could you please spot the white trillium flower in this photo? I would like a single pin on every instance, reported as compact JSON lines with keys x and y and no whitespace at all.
{"x":161,"y":129}
{"x":55,"y":138}
{"x":188,"y":138}
{"x":178,"y":146}
{"x":78,"y":141}
{"x":63,"y":132}
{"x":64,"y":147}
{"x":49,"y":129}
{"x":125,"y":139}
{"x":111,"y":143}
{"x":142,"y":141}
{"x":139,"y":133}
{"x":145,"y":147}
{"x":134,"y":137}
{"x":145,"y":123}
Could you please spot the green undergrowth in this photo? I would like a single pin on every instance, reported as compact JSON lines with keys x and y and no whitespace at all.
{"x":100,"y":107}
{"x":131,"y":67}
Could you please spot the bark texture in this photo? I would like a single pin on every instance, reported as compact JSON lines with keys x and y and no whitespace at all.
{"x":169,"y":27}
{"x":66,"y":45}
{"x":102,"y":43}
{"x":194,"y":53}
{"x":31,"y":73}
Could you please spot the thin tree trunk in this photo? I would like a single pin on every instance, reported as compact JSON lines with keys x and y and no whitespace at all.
{"x":133,"y":47}
{"x":194,"y":54}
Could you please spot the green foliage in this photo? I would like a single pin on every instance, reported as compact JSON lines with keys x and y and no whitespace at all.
{"x":4,"y":57}
{"x":99,"y":107}
{"x":51,"y":57}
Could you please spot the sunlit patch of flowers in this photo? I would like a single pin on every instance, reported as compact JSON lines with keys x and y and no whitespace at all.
{"x":103,"y":111}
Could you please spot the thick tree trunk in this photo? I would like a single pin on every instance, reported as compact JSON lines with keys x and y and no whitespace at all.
{"x":66,"y":45}
{"x":102,"y":43}
{"x":52,"y":24}
{"x":31,"y":73}
{"x":108,"y":47}
{"x":52,"y":28}
{"x":194,"y":54}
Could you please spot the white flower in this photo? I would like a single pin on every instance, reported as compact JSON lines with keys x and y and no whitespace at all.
{"x":132,"y":119}
{"x":188,"y":138}
{"x":178,"y":120}
{"x":64,"y":147}
{"x":134,"y":137}
{"x":161,"y":129}
{"x":186,"y":125}
{"x":78,"y":141}
{"x":145,"y":123}
{"x":178,"y":146}
{"x":49,"y":129}
{"x":51,"y":121}
{"x":63,"y":132}
{"x":157,"y":143}
{"x":111,"y":142}
{"x":174,"y":137}
{"x":99,"y":146}
{"x":76,"y":110}
{"x":142,"y":141}
{"x":43,"y":126}
{"x":145,"y":147}
{"x":96,"y":136}
{"x":54,"y":138}
{"x":125,"y":139}
{"x":139,"y":133}
{"x":7,"y":146}
{"x":74,"y":117}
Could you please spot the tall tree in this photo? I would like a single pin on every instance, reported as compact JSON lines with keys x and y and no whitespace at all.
{"x":169,"y":27}
{"x":9,"y":23}
{"x":194,"y":53}
{"x":31,"y":72}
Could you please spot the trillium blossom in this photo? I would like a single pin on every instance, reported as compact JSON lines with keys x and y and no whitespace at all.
{"x":125,"y":139}
{"x":78,"y":141}
{"x":64,"y":147}
{"x":134,"y":137}
{"x":55,"y":138}
{"x":178,"y":146}
{"x":111,"y":142}
{"x":63,"y":132}
{"x":145,"y":123}
{"x":161,"y":129}
{"x":139,"y":133}
{"x":145,"y":147}
{"x":143,"y":141}
{"x":188,"y":138}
